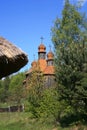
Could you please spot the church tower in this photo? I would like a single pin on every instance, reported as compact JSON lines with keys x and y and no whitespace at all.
{"x":42,"y":56}
{"x":49,"y":70}
{"x":50,"y":59}
{"x":41,"y":50}
{"x":44,"y":64}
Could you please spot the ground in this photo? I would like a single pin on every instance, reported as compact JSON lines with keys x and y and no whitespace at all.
{"x":23,"y":120}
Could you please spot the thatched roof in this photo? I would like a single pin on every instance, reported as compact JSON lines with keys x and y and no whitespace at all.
{"x":11,"y":58}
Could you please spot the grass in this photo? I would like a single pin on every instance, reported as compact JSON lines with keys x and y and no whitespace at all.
{"x":23,"y":121}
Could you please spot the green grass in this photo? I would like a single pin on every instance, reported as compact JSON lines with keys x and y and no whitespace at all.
{"x":23,"y":121}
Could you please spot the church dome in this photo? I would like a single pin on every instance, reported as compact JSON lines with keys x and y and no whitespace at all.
{"x":50,"y":55}
{"x":33,"y":64}
{"x":41,"y":48}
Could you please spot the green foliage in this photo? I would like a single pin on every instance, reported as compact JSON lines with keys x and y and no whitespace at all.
{"x":16,"y":90}
{"x":70,"y":70}
{"x":11,"y":88}
{"x":4,"y":88}
{"x":43,"y":102}
{"x":69,"y":38}
{"x":35,"y":90}
{"x":49,"y":105}
{"x":71,"y":28}
{"x":21,"y":121}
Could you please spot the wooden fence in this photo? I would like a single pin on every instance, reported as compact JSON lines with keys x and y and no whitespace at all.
{"x":12,"y":109}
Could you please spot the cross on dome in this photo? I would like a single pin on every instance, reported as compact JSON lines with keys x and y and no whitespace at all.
{"x":50,"y":47}
{"x":41,"y":39}
{"x":34,"y":56}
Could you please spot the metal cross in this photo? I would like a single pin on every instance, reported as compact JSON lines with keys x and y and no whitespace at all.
{"x":50,"y":47}
{"x":41,"y":39}
{"x":34,"y":57}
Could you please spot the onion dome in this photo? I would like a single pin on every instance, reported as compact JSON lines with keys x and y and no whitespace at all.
{"x":33,"y":64}
{"x":41,"y":48}
{"x":50,"y":55}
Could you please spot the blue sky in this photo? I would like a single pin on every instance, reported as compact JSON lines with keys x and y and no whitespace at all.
{"x":23,"y":22}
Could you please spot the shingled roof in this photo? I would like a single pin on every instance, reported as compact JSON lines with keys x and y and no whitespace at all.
{"x":11,"y":58}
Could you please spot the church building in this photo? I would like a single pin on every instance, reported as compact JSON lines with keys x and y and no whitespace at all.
{"x":45,"y":63}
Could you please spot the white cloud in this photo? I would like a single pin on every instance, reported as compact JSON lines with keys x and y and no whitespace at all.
{"x":82,"y":2}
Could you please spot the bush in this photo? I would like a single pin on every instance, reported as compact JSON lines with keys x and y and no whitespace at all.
{"x":49,"y":105}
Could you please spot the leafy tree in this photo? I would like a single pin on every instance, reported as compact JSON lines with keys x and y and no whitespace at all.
{"x":35,"y":90}
{"x":2,"y":99}
{"x":16,"y":90}
{"x":4,"y":88}
{"x":71,"y":28}
{"x":69,"y":36}
{"x":49,"y":107}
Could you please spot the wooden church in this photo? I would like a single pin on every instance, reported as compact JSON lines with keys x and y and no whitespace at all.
{"x":45,"y":64}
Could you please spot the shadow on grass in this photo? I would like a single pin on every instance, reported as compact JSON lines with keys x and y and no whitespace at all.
{"x":73,"y":120}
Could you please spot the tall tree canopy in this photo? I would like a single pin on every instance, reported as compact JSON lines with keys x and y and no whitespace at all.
{"x":71,"y":28}
{"x":69,"y":36}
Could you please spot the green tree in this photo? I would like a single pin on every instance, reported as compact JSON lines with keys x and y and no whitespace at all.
{"x":69,"y":36}
{"x":2,"y":99}
{"x":72,"y":27}
{"x":49,"y":106}
{"x":16,"y":90}
{"x":4,"y":89}
{"x":35,"y":90}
